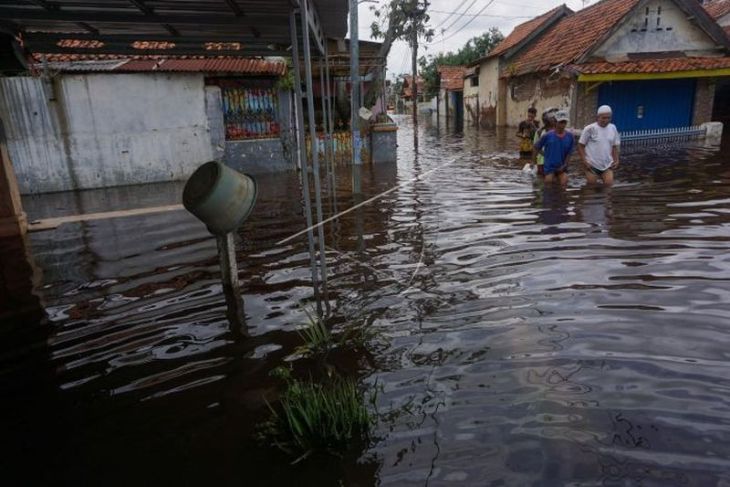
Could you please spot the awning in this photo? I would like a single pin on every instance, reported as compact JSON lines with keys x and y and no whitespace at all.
{"x":167,"y":27}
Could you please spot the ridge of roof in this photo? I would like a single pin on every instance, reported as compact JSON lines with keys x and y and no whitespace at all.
{"x":522,"y":32}
{"x":717,"y":8}
{"x":553,"y":49}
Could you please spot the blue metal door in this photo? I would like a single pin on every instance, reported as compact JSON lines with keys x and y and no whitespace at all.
{"x":643,"y":105}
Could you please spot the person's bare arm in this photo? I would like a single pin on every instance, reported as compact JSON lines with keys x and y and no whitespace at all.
{"x":615,"y":156}
{"x":582,"y":153}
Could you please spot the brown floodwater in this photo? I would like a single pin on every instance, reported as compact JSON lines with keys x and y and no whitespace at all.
{"x":519,"y":335}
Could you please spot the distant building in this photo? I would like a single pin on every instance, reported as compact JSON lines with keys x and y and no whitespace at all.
{"x":451,"y":93}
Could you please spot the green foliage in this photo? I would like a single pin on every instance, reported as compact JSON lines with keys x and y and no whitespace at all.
{"x":318,"y":417}
{"x":474,"y":49}
{"x":318,"y":340}
{"x":397,"y":19}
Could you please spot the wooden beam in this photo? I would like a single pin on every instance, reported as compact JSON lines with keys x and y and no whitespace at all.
{"x":53,"y":37}
{"x":129,"y":18}
{"x":235,"y":8}
{"x":12,"y":217}
{"x":696,"y":73}
{"x":129,"y":51}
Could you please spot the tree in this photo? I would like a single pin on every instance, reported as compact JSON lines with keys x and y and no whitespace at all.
{"x":396,"y":20}
{"x":475,"y":48}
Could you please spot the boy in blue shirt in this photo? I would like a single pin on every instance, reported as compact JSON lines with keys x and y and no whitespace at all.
{"x":556,"y":145}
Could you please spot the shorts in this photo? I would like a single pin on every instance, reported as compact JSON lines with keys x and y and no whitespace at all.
{"x":525,"y":155}
{"x":599,"y":172}
{"x":555,"y":170}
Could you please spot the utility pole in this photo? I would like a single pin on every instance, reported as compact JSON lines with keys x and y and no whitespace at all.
{"x":414,"y":69}
{"x":354,"y":83}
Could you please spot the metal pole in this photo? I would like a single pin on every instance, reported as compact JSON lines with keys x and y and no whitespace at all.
{"x":414,"y":66}
{"x":354,"y":83}
{"x":315,"y":149}
{"x":302,"y":144}
{"x":325,"y":124}
{"x":231,"y":287}
{"x":330,"y":129}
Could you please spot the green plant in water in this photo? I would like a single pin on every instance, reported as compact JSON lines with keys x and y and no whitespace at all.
{"x":318,"y":417}
{"x":318,"y":340}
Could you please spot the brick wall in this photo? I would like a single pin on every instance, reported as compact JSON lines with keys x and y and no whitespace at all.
{"x":586,"y":105}
{"x":704,"y":100}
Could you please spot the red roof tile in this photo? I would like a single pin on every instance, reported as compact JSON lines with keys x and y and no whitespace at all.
{"x":452,"y":77}
{"x":207,"y":65}
{"x":655,"y":65}
{"x":718,"y":8}
{"x":166,"y":64}
{"x":522,"y":31}
{"x":571,"y":37}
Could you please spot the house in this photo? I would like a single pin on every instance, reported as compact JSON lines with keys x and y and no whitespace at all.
{"x":484,"y":97}
{"x":82,"y":123}
{"x":450,"y":98}
{"x":654,"y":61}
{"x":720,"y":11}
{"x":406,"y":94}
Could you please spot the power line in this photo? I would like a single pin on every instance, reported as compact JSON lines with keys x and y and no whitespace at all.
{"x":460,"y":16}
{"x":463,"y":26}
{"x":509,"y":17}
{"x":456,"y":11}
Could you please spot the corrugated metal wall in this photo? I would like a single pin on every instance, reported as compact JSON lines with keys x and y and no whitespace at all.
{"x":102,"y":130}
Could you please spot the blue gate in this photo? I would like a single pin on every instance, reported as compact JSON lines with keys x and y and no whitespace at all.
{"x":644,"y":105}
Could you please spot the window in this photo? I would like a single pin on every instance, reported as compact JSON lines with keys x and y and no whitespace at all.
{"x":474,"y":81}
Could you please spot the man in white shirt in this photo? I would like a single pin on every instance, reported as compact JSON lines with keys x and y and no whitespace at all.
{"x":598,"y":147}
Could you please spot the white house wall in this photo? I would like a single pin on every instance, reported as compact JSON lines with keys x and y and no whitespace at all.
{"x":673,"y":33}
{"x":102,"y":130}
{"x":489,"y":82}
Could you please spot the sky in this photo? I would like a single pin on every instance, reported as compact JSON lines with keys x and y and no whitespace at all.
{"x":503,"y":14}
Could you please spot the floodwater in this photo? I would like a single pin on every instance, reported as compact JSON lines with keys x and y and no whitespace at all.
{"x":519,"y":335}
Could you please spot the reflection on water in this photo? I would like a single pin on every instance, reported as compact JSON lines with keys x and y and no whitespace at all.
{"x":527,"y":336}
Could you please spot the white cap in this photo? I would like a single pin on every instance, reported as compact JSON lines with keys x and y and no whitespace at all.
{"x":604,"y":109}
{"x":562,"y":116}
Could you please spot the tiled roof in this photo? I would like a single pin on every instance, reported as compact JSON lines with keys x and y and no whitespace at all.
{"x":718,"y":8}
{"x":452,"y":77}
{"x":214,"y":65}
{"x":571,"y":37}
{"x":83,"y":63}
{"x":655,"y":65}
{"x":522,"y":31}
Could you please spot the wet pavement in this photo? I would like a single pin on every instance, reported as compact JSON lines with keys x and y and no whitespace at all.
{"x":521,"y":335}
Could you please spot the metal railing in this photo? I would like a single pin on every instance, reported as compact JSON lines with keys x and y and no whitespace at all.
{"x":667,"y":135}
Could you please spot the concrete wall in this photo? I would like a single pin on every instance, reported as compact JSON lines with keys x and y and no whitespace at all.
{"x":704,"y":101}
{"x":471,"y":103}
{"x":489,"y":91}
{"x":102,"y":130}
{"x":536,"y":91}
{"x":584,"y":112}
{"x":681,"y":36}
{"x":259,"y":156}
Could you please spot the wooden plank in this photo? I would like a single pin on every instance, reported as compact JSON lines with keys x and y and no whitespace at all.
{"x":51,"y":223}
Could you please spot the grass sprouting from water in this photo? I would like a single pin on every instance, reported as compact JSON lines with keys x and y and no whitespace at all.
{"x":318,"y":417}
{"x":317,"y":337}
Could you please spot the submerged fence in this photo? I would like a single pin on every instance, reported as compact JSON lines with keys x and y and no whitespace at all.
{"x":678,"y":134}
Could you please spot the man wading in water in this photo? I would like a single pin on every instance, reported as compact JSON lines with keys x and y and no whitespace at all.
{"x":598,"y":147}
{"x":557,"y":145}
